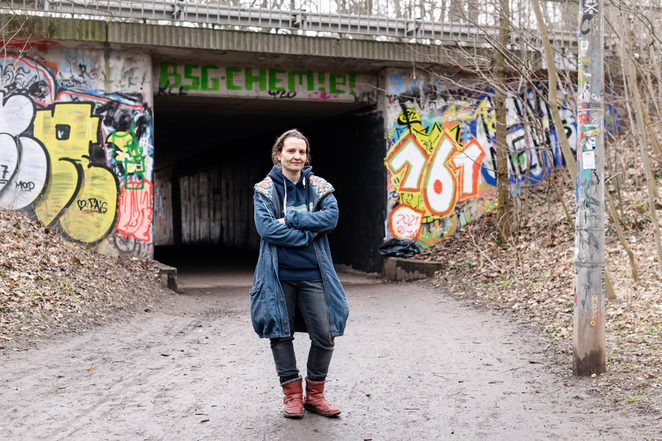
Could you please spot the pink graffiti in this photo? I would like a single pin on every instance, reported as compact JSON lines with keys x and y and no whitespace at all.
{"x":134,"y":209}
{"x":322,"y":96}
{"x":405,"y":222}
{"x":596,"y":318}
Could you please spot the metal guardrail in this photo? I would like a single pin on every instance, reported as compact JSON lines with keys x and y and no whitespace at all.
{"x":310,"y":17}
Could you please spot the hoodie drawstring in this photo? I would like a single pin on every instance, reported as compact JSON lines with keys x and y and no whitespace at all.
{"x":285,"y":198}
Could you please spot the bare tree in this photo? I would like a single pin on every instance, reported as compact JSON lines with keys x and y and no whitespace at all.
{"x":640,"y":111}
{"x":504,"y":215}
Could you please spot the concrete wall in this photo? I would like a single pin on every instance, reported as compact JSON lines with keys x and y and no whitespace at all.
{"x":76,"y":147}
{"x":230,"y":110}
{"x":206,"y":78}
{"x":441,"y":157}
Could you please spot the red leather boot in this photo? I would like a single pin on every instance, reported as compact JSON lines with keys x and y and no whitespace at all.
{"x":293,"y":398}
{"x":315,"y":401}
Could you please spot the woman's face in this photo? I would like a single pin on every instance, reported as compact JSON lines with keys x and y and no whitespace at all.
{"x":293,"y":156}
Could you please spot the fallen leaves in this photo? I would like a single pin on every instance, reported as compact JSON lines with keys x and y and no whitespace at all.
{"x":49,"y":284}
{"x":535,"y":281}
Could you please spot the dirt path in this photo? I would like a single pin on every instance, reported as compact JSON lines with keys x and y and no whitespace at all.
{"x":415,"y":364}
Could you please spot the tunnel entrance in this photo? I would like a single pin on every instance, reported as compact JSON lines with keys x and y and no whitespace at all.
{"x":209,"y":152}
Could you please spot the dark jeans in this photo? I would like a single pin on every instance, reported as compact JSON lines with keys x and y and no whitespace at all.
{"x":306,"y":297}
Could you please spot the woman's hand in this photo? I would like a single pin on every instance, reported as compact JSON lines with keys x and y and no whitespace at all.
{"x":282,"y":221}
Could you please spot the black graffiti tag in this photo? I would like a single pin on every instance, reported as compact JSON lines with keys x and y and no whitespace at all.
{"x":92,"y":204}
{"x":282,"y":94}
{"x":590,"y":9}
{"x":172,"y":91}
{"x":25,"y":185}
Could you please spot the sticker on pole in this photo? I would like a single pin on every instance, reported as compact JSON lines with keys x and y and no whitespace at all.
{"x":589,"y":135}
{"x":588,"y":160}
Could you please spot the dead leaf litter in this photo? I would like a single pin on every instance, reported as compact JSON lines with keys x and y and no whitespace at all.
{"x":532,"y":277}
{"x":50,"y":285}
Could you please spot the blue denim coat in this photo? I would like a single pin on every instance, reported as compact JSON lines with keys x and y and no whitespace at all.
{"x":267,"y":303}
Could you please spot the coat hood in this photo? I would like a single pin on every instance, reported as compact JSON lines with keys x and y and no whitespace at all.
{"x":276,"y":174}
{"x":319,"y":186}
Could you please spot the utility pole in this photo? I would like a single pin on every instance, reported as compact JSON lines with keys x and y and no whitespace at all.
{"x":589,"y":311}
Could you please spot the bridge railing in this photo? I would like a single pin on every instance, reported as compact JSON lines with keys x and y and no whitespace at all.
{"x":376,"y":19}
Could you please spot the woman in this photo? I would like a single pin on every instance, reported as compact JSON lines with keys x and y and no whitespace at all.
{"x":295,"y":287}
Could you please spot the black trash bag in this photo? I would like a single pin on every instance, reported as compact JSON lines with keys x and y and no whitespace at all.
{"x":399,"y":248}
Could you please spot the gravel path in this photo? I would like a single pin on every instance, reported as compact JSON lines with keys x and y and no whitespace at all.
{"x":415,"y":364}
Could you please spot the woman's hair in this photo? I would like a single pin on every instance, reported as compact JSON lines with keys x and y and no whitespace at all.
{"x":280,"y":141}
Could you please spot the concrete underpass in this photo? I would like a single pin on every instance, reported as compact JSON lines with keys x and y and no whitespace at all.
{"x":212,"y":150}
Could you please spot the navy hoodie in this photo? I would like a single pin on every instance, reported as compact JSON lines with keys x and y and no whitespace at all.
{"x":295,"y":263}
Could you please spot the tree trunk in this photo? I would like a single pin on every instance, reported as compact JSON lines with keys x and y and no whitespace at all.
{"x":553,"y":99}
{"x":651,"y":133}
{"x":621,"y":237}
{"x":658,"y":75}
{"x":504,"y":215}
{"x":641,"y":129}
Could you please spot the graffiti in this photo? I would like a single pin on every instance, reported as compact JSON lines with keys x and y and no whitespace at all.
{"x":132,"y":76}
{"x":430,"y":172}
{"x":22,"y":158}
{"x":395,"y":83}
{"x":26,"y":44}
{"x":322,"y":96}
{"x":590,"y":302}
{"x":135,"y":211}
{"x":80,"y":79}
{"x":587,"y":141}
{"x":87,"y":71}
{"x":93,"y":204}
{"x":365,"y":97}
{"x":74,"y":159}
{"x":441,"y":151}
{"x":596,"y":314}
{"x":405,"y":222}
{"x":283,"y":94}
{"x":127,"y":129}
{"x":67,"y":132}
{"x":171,"y":91}
{"x":27,"y":76}
{"x":128,"y":153}
{"x":26,"y":186}
{"x":9,"y":158}
{"x":129,"y":245}
{"x":210,"y":79}
{"x":590,"y":61}
{"x":590,"y":8}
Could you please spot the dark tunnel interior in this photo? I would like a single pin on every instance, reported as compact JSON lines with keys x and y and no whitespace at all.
{"x":210,"y":153}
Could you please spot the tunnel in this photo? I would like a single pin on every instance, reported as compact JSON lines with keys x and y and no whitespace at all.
{"x":209,"y":152}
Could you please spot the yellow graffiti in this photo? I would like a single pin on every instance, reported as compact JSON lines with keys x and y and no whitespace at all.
{"x":83,"y":196}
{"x":457,"y":113}
{"x":123,"y":140}
{"x":410,"y":117}
{"x":92,"y":214}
